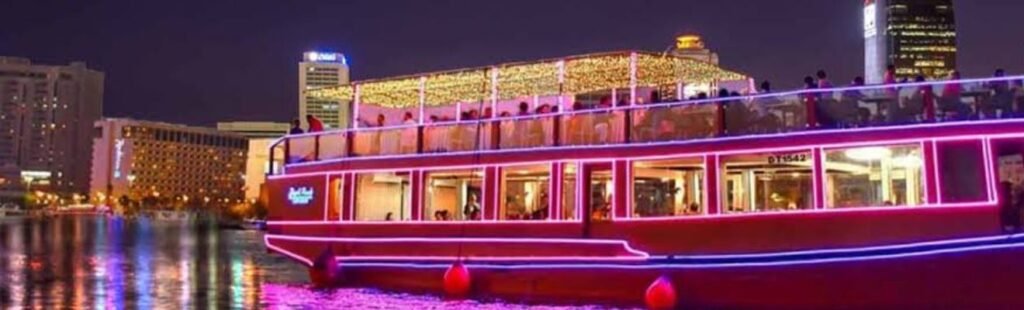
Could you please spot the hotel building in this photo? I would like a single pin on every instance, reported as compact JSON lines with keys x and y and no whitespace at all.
{"x":139,"y":159}
{"x":918,"y":37}
{"x":323,"y":70}
{"x":257,"y":162}
{"x":46,"y":116}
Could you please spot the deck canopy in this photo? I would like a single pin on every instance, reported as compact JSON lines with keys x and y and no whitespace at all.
{"x":627,"y":76}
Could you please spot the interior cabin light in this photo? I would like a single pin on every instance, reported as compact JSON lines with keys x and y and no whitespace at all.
{"x":868,"y":153}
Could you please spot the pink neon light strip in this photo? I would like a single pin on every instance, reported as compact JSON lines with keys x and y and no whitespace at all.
{"x":548,"y":266}
{"x":266,"y":241}
{"x":935,"y":170}
{"x":871,"y":209}
{"x":989,"y":169}
{"x":832,"y":146}
{"x":494,"y":258}
{"x":691,"y":102}
{"x":824,"y":132}
{"x":625,"y":245}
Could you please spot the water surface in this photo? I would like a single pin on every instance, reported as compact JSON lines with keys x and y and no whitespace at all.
{"x":112,"y":263}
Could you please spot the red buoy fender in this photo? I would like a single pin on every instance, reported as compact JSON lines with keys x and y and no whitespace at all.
{"x":661,"y":294}
{"x":457,"y":281}
{"x":325,"y":271}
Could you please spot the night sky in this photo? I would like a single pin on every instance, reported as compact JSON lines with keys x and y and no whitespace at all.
{"x":199,"y":62}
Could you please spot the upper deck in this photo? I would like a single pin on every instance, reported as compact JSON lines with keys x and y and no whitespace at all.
{"x":636,"y":123}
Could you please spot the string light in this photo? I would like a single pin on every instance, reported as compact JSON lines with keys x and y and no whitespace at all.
{"x":583,"y":74}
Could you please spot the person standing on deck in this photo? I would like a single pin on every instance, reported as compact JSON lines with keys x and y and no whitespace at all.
{"x":314,"y":124}
{"x":296,"y":128}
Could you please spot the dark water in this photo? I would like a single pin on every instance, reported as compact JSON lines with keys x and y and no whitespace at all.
{"x":101,"y":263}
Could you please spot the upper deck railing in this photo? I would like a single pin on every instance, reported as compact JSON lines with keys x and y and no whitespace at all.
{"x":810,"y":109}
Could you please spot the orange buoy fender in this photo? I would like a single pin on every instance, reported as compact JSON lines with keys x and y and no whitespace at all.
{"x":457,"y":281}
{"x":661,"y":294}
{"x":325,"y":271}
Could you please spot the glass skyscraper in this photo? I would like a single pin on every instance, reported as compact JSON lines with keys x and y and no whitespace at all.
{"x":918,"y":37}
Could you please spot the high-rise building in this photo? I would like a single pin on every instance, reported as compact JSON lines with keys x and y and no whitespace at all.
{"x":136,"y":160}
{"x":918,"y":37}
{"x":46,"y":120}
{"x":320,"y":70}
{"x":255,"y":129}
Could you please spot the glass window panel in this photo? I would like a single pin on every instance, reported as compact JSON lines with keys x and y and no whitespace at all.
{"x":767,"y":182}
{"x":601,"y":190}
{"x":961,"y":166}
{"x":525,"y":192}
{"x":453,"y":195}
{"x":569,"y":173}
{"x":874,"y":176}
{"x":383,"y":196}
{"x":668,"y":187}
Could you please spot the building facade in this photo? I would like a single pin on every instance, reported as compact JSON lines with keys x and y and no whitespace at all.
{"x":173,"y":164}
{"x":46,"y":118}
{"x":918,"y":37}
{"x":323,"y":70}
{"x":257,"y":162}
{"x":255,"y":129}
{"x":692,"y":47}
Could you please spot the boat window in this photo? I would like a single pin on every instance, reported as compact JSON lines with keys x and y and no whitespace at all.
{"x":767,"y":182}
{"x":525,"y":192}
{"x":384,"y":196}
{"x":569,"y":192}
{"x":453,"y":195}
{"x":872,"y":176}
{"x":668,"y":187}
{"x":601,"y":190}
{"x":961,"y":171}
{"x":1008,"y":166}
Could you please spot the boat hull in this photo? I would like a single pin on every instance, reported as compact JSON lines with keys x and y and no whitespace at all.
{"x":966,"y":273}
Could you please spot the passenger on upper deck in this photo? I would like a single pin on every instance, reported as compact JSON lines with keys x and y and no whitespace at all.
{"x":296,"y":127}
{"x":950,"y":103}
{"x":314,"y":124}
{"x":1001,"y":101}
{"x":823,"y":79}
{"x":890,"y":75}
{"x":408,"y":142}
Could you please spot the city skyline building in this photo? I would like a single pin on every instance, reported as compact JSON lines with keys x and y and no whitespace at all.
{"x":918,"y":37}
{"x":136,"y":160}
{"x":46,"y":118}
{"x":257,"y":162}
{"x":320,"y":69}
{"x":692,"y":46}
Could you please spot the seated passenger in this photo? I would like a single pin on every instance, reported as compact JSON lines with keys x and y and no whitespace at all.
{"x":1000,"y":102}
{"x":951,"y":105}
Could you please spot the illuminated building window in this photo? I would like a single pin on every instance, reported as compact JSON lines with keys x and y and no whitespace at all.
{"x":667,"y":188}
{"x":767,"y":182}
{"x":525,"y":193}
{"x":874,"y":176}
{"x":453,"y":195}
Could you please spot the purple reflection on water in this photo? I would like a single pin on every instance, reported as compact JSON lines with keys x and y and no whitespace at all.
{"x":112,"y":263}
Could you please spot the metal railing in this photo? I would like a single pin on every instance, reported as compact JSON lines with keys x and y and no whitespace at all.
{"x":811,"y":109}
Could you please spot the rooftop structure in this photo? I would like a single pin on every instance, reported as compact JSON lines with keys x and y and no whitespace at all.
{"x":627,"y":76}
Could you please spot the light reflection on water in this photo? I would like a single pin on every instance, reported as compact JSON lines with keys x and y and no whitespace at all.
{"x":101,"y":263}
